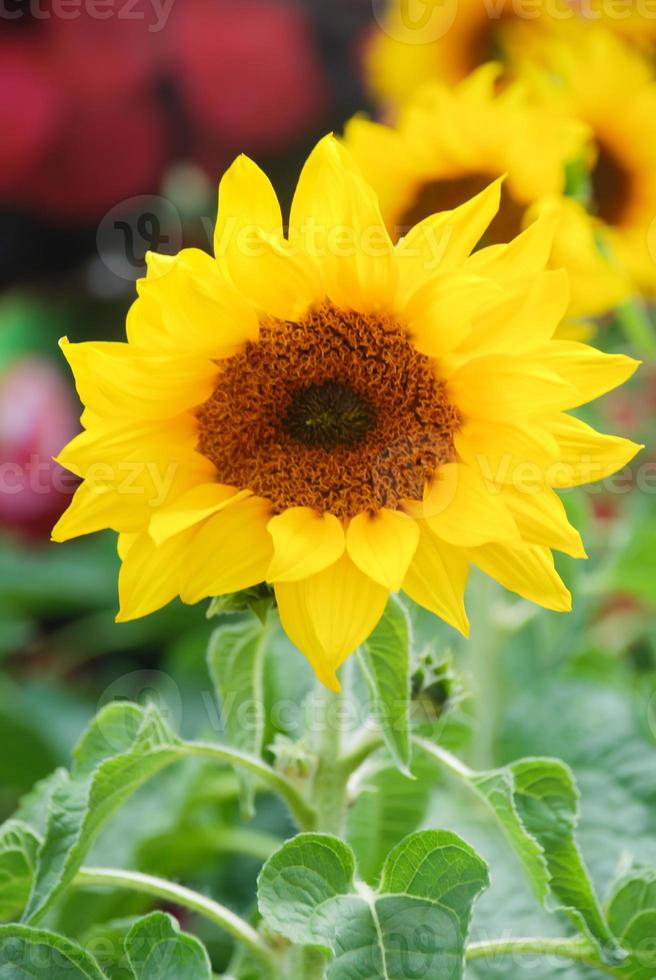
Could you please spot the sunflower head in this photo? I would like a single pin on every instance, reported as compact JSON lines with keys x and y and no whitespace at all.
{"x":430,"y":160}
{"x":611,"y":88}
{"x":337,"y":415}
{"x":418,"y":42}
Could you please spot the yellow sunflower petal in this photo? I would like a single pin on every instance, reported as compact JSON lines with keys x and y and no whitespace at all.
{"x":95,"y":509}
{"x":529,"y":571}
{"x":117,"y":379}
{"x":249,"y":237}
{"x":437,"y":577}
{"x":542,"y":519}
{"x":247,"y":200}
{"x":230,"y":552}
{"x":526,"y":254}
{"x":498,"y":386}
{"x":192,"y":507}
{"x":330,"y":614}
{"x":439,"y":316}
{"x":525,"y":316}
{"x":150,"y":575}
{"x":464,"y":510}
{"x":190,"y":305}
{"x":586,"y":455}
{"x":443,"y":241}
{"x":382,"y":545}
{"x":120,"y":441}
{"x":304,"y":543}
{"x":506,"y":453}
{"x":336,"y":220}
{"x":589,"y":371}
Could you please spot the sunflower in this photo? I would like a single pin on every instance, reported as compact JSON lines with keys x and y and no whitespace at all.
{"x":338,"y":416}
{"x":612,"y":89}
{"x":420,"y":41}
{"x":449,"y":142}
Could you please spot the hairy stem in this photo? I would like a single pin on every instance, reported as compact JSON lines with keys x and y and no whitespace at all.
{"x":570,"y":949}
{"x":299,"y":807}
{"x":330,"y":779}
{"x":185,"y":898}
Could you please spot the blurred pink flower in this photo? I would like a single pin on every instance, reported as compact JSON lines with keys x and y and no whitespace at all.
{"x":37,"y":417}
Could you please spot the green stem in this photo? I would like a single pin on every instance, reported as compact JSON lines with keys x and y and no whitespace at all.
{"x":330,"y":778}
{"x":483,"y":648}
{"x":449,"y":761}
{"x":300,"y":809}
{"x":185,"y":898}
{"x":570,"y":949}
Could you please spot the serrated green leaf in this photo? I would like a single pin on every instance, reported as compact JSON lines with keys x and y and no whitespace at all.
{"x":27,"y":953}
{"x":236,"y":664}
{"x":414,"y":925}
{"x":18,"y":850}
{"x":389,"y":806}
{"x":158,"y":950}
{"x":497,"y":788}
{"x":385,"y":662}
{"x":536,"y":804}
{"x":547,"y":800}
{"x":123,"y":747}
{"x":632,"y":917}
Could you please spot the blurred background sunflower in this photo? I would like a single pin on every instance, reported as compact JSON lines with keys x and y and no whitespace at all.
{"x":117,"y":119}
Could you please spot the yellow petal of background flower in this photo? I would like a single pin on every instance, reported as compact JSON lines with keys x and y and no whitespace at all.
{"x":192,"y":507}
{"x":465,"y":510}
{"x":230,"y":552}
{"x":304,"y":543}
{"x":330,"y":614}
{"x":149,"y":577}
{"x":586,"y":455}
{"x":437,"y":578}
{"x":382,"y":545}
{"x":529,"y":571}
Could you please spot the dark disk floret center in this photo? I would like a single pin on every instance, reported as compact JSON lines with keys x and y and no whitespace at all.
{"x":328,"y":415}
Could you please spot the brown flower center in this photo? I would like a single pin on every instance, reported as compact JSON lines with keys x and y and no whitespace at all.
{"x":434,"y":196}
{"x":338,"y":412}
{"x":611,"y":186}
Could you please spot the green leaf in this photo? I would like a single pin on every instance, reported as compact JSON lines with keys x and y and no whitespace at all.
{"x":497,"y":788}
{"x":415,"y":925}
{"x":536,"y":804}
{"x":385,"y":662}
{"x":18,"y":849}
{"x":124,"y":746}
{"x":158,"y":950}
{"x":27,"y":953}
{"x":632,"y":917}
{"x":547,"y":801}
{"x":389,"y":806}
{"x":236,"y":665}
